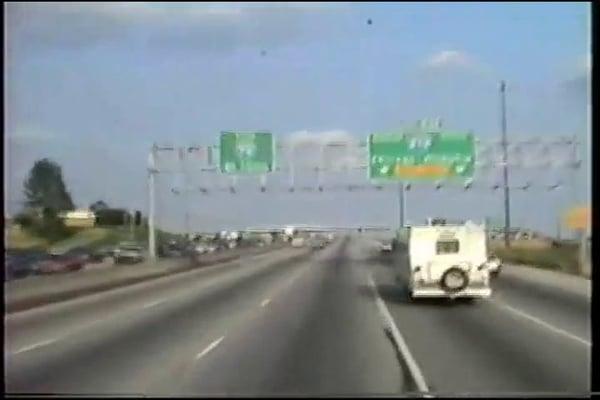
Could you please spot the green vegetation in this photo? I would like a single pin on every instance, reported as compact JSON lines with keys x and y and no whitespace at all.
{"x":562,"y":257}
{"x":45,"y":188}
{"x":39,"y":226}
{"x":23,"y":238}
{"x":19,"y":238}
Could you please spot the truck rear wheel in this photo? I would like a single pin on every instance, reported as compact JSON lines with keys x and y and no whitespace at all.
{"x":454,"y":280}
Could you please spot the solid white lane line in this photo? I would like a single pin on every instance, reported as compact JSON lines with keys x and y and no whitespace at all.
{"x":413,"y":367}
{"x":153,"y":303}
{"x":34,"y":346}
{"x":540,"y":322}
{"x":209,"y":348}
{"x":265,"y":302}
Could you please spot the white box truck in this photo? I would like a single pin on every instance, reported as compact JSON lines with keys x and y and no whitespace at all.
{"x":448,"y":261}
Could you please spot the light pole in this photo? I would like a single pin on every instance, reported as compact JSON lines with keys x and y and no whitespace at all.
{"x":151,"y":176}
{"x":505,"y":165}
{"x":131,"y":222}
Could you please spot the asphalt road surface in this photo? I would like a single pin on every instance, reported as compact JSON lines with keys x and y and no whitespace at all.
{"x":304,"y":323}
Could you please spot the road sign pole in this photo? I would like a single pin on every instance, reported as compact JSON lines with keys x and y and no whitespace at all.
{"x":584,"y":262}
{"x":505,"y":165}
{"x":401,"y":204}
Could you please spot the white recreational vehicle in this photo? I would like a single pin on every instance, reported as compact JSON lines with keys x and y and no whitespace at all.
{"x":448,"y":261}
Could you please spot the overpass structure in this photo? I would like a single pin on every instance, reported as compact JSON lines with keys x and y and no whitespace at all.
{"x":297,"y":228}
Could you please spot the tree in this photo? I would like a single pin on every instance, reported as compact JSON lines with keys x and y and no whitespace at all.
{"x":98,"y":205}
{"x":44,"y":188}
{"x":111,"y":217}
{"x":138,"y":218}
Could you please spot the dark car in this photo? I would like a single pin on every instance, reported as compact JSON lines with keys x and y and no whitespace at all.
{"x":172,"y":249}
{"x":72,"y":260}
{"x":100,"y":254}
{"x":21,"y":263}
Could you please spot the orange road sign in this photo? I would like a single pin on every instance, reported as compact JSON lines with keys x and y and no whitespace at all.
{"x":578,"y":218}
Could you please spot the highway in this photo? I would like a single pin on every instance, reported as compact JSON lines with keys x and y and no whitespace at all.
{"x":296,"y":322}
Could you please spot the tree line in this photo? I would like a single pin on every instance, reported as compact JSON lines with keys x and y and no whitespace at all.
{"x":46,"y":195}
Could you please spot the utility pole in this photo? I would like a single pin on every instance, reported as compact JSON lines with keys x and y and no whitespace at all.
{"x":131,"y":221}
{"x":505,"y":165}
{"x":151,"y":176}
{"x":182,"y":159}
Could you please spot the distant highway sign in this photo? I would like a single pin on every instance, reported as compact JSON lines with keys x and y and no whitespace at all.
{"x":246,"y":153}
{"x":421,"y":156}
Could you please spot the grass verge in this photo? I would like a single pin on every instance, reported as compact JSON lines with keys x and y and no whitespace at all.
{"x":563,"y":258}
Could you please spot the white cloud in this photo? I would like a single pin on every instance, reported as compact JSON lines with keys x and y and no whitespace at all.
{"x":320,"y":137}
{"x":30,"y":134}
{"x":209,"y":25}
{"x":450,"y":58}
{"x":457,"y":63}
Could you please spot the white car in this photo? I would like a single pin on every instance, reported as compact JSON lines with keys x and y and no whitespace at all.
{"x":494,"y":265}
{"x":448,"y":261}
{"x":200,"y":249}
{"x":297,"y":242}
{"x":386,"y":248}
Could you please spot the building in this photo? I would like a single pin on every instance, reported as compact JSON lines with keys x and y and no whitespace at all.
{"x":78,"y":218}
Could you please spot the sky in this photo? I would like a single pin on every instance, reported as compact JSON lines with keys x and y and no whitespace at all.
{"x":94,"y":85}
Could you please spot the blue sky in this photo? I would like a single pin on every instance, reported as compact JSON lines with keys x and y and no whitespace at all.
{"x":94,"y":85}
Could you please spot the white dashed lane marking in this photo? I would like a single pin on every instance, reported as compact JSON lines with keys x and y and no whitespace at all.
{"x":540,"y":322}
{"x":265,"y":302}
{"x":154,"y":303}
{"x":35,"y":346}
{"x":209,"y":348}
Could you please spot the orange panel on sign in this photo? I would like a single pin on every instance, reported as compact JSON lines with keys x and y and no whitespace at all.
{"x":422,"y":170}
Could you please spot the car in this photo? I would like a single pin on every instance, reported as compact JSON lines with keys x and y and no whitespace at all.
{"x":129,"y":254}
{"x":297,"y":242}
{"x":494,"y":265}
{"x":386,"y":247}
{"x":317,"y":244}
{"x":72,"y":260}
{"x":100,"y":254}
{"x":21,"y":264}
{"x":200,"y":249}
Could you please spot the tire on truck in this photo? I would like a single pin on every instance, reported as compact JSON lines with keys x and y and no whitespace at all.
{"x":455,"y":274}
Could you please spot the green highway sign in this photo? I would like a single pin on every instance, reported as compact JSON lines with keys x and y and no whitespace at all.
{"x":246,"y":153}
{"x":421,"y":156}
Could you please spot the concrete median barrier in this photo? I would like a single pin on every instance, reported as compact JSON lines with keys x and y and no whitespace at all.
{"x":37,"y":291}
